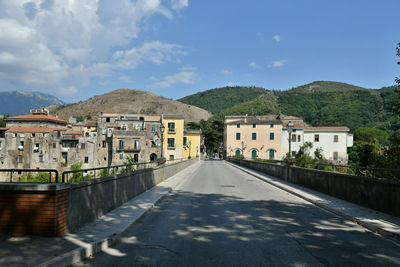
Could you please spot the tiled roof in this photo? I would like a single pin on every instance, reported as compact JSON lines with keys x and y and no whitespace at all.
{"x":73,"y":133}
{"x":152,"y":118}
{"x":328,"y":128}
{"x":29,"y":130}
{"x":31,"y":117}
{"x":90,"y":124}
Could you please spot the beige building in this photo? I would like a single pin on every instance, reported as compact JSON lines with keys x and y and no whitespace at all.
{"x":253,"y":136}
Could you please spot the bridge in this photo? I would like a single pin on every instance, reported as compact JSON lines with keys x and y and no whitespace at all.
{"x":215,"y":213}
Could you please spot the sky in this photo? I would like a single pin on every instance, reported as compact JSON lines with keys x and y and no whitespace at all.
{"x":76,"y":49}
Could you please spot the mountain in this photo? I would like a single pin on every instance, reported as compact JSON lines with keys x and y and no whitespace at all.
{"x":218,"y":99}
{"x":20,"y":102}
{"x":326,"y":86}
{"x":131,"y":102}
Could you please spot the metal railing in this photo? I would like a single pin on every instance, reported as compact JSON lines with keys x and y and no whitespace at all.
{"x":20,"y":171}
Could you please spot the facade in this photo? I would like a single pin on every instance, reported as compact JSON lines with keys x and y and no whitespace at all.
{"x":248,"y":136}
{"x":253,"y":136}
{"x":173,"y":136}
{"x":191,"y":144}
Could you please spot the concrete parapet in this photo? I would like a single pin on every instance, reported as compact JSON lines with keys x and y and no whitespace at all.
{"x":375,"y":193}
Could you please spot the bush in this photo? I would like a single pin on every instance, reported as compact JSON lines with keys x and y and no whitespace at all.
{"x":42,"y":177}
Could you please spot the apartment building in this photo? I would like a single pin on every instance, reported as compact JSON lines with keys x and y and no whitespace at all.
{"x":253,"y":136}
{"x":248,"y":136}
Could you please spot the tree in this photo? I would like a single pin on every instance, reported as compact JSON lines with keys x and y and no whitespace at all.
{"x":395,"y":108}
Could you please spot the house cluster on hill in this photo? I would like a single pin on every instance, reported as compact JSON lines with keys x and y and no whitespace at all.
{"x":42,"y":141}
{"x":267,"y":137}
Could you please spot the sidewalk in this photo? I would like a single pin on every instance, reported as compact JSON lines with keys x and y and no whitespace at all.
{"x":90,"y":239}
{"x":375,"y":221}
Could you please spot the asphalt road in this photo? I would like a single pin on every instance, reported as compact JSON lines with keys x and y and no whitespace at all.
{"x":222,"y":216}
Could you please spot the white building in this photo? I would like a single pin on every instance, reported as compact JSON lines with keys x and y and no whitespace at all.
{"x":333,"y":141}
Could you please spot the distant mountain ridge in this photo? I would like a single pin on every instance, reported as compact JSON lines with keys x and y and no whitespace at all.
{"x":20,"y":102}
{"x":131,"y":101}
{"x":320,"y":103}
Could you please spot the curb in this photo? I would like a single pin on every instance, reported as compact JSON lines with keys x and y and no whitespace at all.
{"x":375,"y":229}
{"x":95,"y":247}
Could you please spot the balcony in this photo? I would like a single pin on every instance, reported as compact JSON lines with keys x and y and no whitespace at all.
{"x":70,"y":137}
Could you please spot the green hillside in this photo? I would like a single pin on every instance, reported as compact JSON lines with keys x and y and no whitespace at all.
{"x":326,"y":86}
{"x":218,"y":99}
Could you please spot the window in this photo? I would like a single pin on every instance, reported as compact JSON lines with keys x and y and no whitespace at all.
{"x":135,"y":157}
{"x":336,"y":138}
{"x":1,"y":144}
{"x":294,"y":138}
{"x":254,"y":125}
{"x":83,"y":146}
{"x":171,"y":142}
{"x":121,"y":144}
{"x":185,"y":141}
{"x":237,"y":136}
{"x":20,"y":159}
{"x":121,"y":156}
{"x":54,"y":145}
{"x":104,"y":144}
{"x":40,"y":158}
{"x":136,"y":144}
{"x":271,"y":125}
{"x":335,"y":156}
{"x":107,"y":119}
{"x":105,"y":159}
{"x":54,"y":159}
{"x":316,"y":137}
{"x":271,"y":136}
{"x":33,"y":134}
{"x":238,"y":125}
{"x":86,"y":159}
{"x":298,"y":138}
{"x":254,"y":136}
{"x":171,"y":157}
{"x":15,"y":135}
{"x":171,"y":127}
{"x":294,"y":153}
{"x":153,"y":128}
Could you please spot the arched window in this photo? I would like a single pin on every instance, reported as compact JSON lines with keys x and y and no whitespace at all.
{"x":254,"y":154}
{"x":271,"y":154}
{"x":237,"y":152}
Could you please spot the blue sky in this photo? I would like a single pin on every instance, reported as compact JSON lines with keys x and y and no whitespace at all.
{"x":78,"y":49}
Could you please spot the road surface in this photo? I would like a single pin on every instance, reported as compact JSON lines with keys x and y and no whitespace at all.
{"x":221,"y":216}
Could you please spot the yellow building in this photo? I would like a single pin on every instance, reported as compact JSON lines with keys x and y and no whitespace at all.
{"x":191,"y":143}
{"x":173,"y":136}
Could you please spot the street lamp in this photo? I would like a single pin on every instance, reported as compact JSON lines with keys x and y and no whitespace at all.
{"x":290,"y":130}
{"x":190,"y":145}
{"x":162,"y":129}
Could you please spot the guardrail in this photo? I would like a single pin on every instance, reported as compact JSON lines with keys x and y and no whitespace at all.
{"x":19,"y":171}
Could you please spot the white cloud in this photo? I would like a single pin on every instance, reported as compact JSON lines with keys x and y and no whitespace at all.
{"x":279,"y":63}
{"x":253,"y":65}
{"x":181,"y":77}
{"x":179,"y":4}
{"x":71,"y":90}
{"x":46,"y":44}
{"x":226,"y":72}
{"x":277,"y":38}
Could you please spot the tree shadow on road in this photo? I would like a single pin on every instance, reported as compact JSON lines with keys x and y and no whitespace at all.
{"x":189,"y":229}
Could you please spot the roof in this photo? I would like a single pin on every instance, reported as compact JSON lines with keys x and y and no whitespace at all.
{"x":90,"y":124}
{"x":295,"y":125}
{"x":73,"y":133}
{"x":114,"y":115}
{"x":30,"y":130}
{"x":328,"y":128}
{"x":152,"y":118}
{"x":173,"y":116}
{"x":31,"y":117}
{"x":4,"y":129}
